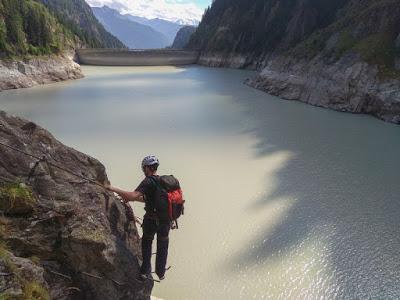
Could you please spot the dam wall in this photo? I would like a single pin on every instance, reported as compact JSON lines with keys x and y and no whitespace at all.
{"x":123,"y":57}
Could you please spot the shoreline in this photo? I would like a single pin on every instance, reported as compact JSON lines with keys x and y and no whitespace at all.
{"x":348,"y":85}
{"x":28,"y":72}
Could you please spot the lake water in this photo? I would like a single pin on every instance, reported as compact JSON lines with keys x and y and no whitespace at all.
{"x":284,"y":200}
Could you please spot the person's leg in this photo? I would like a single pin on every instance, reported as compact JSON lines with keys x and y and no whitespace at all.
{"x":162,"y":249}
{"x":149,"y":230}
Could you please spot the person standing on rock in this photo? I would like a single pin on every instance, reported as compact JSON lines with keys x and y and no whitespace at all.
{"x":153,"y":223}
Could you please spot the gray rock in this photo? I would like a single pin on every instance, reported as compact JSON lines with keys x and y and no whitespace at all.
{"x":20,"y":277}
{"x":348,"y":85}
{"x":84,"y":240}
{"x":39,"y":70}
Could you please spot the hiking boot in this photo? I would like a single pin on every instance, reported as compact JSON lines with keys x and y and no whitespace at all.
{"x":143,"y":277}
{"x":162,"y":277}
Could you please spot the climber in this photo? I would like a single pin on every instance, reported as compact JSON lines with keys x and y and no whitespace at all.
{"x":153,"y":223}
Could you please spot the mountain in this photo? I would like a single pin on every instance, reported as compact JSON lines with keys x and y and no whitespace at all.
{"x":183,"y":12}
{"x":131,"y":33}
{"x":183,"y":36}
{"x":77,"y":16}
{"x":27,"y":27}
{"x":168,"y":28}
{"x":340,"y":54}
{"x":262,"y":26}
{"x":37,"y":39}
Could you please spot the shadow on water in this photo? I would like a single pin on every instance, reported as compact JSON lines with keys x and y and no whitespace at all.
{"x":343,"y":177}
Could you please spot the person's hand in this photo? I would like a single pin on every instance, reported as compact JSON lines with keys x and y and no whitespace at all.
{"x":108,"y":187}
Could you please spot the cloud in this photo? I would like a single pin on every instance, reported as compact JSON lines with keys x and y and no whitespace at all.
{"x":185,"y":12}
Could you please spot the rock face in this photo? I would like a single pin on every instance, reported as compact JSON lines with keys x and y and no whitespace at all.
{"x":348,"y":85}
{"x":39,"y":70}
{"x":73,"y":240}
{"x":339,"y":54}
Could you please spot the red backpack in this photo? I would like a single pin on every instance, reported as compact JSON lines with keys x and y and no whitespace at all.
{"x":170,"y":200}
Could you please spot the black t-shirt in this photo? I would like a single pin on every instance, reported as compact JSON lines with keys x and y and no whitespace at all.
{"x":148,"y":188}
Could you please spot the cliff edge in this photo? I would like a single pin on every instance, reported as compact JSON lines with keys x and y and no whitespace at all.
{"x":61,"y":237}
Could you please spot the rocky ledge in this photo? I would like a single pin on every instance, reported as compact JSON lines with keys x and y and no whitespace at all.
{"x":61,"y":237}
{"x":348,"y":85}
{"x":28,"y":72}
{"x":237,"y":61}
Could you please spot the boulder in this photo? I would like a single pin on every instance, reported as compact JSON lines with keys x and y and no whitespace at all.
{"x":74,"y":239}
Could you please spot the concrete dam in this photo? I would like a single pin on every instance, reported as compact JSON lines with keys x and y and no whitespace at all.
{"x":124,"y":57}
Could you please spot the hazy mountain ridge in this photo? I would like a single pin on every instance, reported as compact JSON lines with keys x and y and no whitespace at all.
{"x":168,"y":28}
{"x":183,"y":37}
{"x":179,"y":12}
{"x":131,"y":33}
{"x":341,"y":54}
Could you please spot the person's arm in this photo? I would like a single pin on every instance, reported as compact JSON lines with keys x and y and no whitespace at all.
{"x":127,"y":196}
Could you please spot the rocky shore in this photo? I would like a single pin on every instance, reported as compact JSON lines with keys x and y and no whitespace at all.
{"x":29,"y":72}
{"x":235,"y":61}
{"x":61,"y":237}
{"x":348,"y":85}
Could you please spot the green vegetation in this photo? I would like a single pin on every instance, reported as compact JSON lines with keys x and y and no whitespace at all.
{"x":303,"y":29}
{"x":4,"y":222}
{"x":260,"y":26}
{"x":32,"y":290}
{"x":89,"y":234}
{"x":27,"y":27}
{"x":35,"y":259}
{"x":6,"y":258}
{"x":16,"y":198}
{"x":41,"y":27}
{"x":378,"y":49}
{"x":35,"y":291}
{"x":78,"y":17}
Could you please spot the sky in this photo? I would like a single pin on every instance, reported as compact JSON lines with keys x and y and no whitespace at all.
{"x":182,"y":11}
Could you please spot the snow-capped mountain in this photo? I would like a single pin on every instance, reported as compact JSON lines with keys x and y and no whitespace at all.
{"x":173,"y":11}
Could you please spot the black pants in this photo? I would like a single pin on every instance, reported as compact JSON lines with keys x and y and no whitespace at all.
{"x":151,"y":226}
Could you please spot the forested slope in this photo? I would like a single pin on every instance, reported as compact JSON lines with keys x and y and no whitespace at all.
{"x":29,"y":27}
{"x":341,"y":54}
{"x":183,"y":37}
{"x":304,"y":28}
{"x":131,"y":33}
{"x":79,"y":18}
{"x":36,"y":37}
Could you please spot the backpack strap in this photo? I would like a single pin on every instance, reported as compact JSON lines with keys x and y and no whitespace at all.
{"x":155,"y":180}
